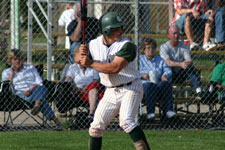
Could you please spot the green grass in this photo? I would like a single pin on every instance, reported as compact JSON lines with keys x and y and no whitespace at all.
{"x":113,"y":140}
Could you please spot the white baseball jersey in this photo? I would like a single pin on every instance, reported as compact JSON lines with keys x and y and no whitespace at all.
{"x":104,"y":54}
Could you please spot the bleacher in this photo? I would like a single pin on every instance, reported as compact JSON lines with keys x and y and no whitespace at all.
{"x":185,"y":104}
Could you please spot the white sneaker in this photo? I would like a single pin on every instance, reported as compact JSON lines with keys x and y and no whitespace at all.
{"x":170,"y":114}
{"x":150,"y":116}
{"x":209,"y":46}
{"x":194,"y":46}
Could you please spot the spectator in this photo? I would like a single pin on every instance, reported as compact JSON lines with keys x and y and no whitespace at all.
{"x":75,"y":33}
{"x":217,"y":85}
{"x":28,"y":85}
{"x":149,"y":62}
{"x":86,"y":84}
{"x":219,"y":15}
{"x":66,"y":17}
{"x":177,"y":55}
{"x":192,"y":14}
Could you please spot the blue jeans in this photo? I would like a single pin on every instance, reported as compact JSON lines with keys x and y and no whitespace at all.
{"x":72,"y":47}
{"x":40,"y":93}
{"x":180,"y":75}
{"x":151,"y":93}
{"x":220,"y":25}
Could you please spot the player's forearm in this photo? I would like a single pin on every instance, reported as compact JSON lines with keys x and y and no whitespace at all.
{"x":108,"y":68}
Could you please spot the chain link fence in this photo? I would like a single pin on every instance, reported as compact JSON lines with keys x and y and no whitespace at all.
{"x":42,"y":40}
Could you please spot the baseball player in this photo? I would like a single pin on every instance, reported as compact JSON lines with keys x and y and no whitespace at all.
{"x":114,"y":57}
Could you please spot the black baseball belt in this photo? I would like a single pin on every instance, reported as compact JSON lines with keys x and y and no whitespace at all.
{"x":121,"y":85}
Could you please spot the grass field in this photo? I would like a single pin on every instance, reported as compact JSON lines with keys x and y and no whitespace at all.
{"x":113,"y":140}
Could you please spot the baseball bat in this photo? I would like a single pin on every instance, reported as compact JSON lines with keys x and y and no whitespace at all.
{"x":83,"y":19}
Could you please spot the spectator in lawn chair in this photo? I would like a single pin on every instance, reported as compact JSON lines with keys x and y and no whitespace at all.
{"x":217,"y":86}
{"x":66,"y":17}
{"x":86,"y":84}
{"x":75,"y":32}
{"x":28,"y":85}
{"x":177,"y":55}
{"x":193,"y":14}
{"x":156,"y":78}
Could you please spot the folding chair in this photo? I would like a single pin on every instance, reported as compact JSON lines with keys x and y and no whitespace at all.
{"x":11,"y":103}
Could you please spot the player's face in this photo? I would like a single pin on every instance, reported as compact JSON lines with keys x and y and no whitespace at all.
{"x":116,"y":33}
{"x":149,"y":51}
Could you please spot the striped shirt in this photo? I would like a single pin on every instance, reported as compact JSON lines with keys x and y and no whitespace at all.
{"x":24,"y":79}
{"x":101,"y":53}
{"x":199,"y":5}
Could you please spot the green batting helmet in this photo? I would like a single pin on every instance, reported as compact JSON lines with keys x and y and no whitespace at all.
{"x":108,"y":21}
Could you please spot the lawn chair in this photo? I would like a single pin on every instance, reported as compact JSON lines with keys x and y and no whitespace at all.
{"x":11,"y":103}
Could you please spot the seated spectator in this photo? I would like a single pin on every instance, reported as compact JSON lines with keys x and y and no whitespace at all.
{"x":217,"y":85}
{"x":75,"y":32}
{"x":162,"y":85}
{"x":86,"y":84}
{"x":28,"y":85}
{"x":177,"y":55}
{"x":219,"y":16}
{"x":66,"y":17}
{"x":191,"y":14}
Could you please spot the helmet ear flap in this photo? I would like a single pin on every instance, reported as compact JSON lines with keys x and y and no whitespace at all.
{"x":107,"y":31}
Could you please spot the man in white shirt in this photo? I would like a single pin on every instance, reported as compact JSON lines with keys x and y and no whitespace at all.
{"x":66,"y":17}
{"x":177,"y":55}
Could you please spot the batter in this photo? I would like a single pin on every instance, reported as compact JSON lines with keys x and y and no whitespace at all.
{"x":114,"y":57}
